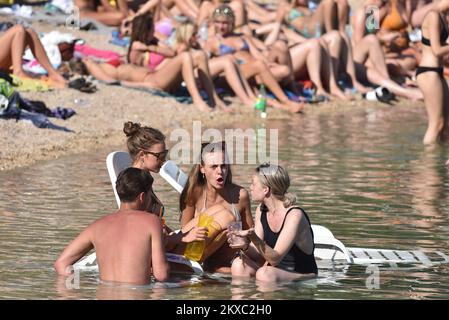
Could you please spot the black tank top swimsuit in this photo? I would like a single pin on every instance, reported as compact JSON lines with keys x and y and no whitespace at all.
{"x":295,"y":260}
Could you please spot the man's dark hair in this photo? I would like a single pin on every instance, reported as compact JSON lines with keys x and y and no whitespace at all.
{"x":131,"y":182}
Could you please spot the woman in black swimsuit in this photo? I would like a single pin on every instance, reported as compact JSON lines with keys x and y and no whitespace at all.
{"x":280,"y":247}
{"x":429,"y":74}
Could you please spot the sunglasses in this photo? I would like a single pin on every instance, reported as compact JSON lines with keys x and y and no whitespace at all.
{"x":263,"y":166}
{"x":159,"y":155}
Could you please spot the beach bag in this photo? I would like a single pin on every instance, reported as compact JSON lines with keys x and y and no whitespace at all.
{"x":67,"y":50}
{"x":9,"y":100}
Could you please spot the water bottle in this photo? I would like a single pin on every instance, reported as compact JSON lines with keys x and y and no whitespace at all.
{"x":203,"y":32}
{"x":317,"y":30}
{"x":261,"y":104}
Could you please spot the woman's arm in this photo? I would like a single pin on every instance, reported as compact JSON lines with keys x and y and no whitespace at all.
{"x":285,"y":241}
{"x":253,"y":49}
{"x":435,"y":32}
{"x":358,"y":25}
{"x":247,"y":218}
{"x":156,"y":48}
{"x":187,"y":214}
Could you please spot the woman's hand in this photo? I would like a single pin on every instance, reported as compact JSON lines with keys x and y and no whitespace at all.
{"x":195,"y":234}
{"x":239,"y":239}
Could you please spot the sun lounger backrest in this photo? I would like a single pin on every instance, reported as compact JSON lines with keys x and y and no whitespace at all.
{"x":116,"y":162}
{"x":173,"y":175}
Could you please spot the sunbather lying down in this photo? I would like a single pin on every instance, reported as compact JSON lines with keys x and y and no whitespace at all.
{"x":12,"y":47}
{"x":166,"y":78}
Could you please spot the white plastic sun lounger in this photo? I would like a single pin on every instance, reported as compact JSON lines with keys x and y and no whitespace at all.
{"x":327,"y":247}
{"x":116,"y":162}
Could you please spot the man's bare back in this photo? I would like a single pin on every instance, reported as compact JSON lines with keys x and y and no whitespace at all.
{"x":129,"y":243}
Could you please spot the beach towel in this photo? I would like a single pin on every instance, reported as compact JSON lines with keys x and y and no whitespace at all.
{"x":32,"y":85}
{"x":83,"y":50}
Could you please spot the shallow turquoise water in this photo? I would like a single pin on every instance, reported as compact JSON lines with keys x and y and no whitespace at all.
{"x":363,"y":174}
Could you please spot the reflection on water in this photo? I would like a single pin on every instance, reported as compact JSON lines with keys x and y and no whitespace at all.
{"x":364,"y":175}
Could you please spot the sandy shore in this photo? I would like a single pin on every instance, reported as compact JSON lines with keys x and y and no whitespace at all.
{"x":99,"y":122}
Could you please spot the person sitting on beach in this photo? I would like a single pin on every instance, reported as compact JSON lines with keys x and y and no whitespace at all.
{"x":369,"y":57}
{"x":227,"y":66}
{"x":12,"y":47}
{"x":209,"y":190}
{"x":280,"y":247}
{"x":253,"y":63}
{"x":238,"y":6}
{"x":146,"y":147}
{"x":429,"y":74}
{"x":146,"y":50}
{"x":166,"y":76}
{"x":129,"y":243}
{"x":108,"y":12}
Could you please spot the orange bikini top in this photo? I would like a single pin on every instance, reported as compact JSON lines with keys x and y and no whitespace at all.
{"x":393,"y":21}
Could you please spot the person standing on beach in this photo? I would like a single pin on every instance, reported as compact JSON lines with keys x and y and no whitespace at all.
{"x":429,"y":74}
{"x":129,"y":243}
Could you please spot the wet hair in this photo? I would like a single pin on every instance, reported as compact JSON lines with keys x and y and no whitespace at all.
{"x":278,"y":180}
{"x":141,"y":138}
{"x":131,"y":182}
{"x":196,"y":179}
{"x":224,"y":11}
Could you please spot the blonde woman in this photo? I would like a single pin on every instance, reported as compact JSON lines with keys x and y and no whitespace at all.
{"x":280,"y":247}
{"x":225,"y":65}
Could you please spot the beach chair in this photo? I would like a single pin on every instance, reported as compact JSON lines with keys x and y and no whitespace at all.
{"x":327,"y":247}
{"x":116,"y":162}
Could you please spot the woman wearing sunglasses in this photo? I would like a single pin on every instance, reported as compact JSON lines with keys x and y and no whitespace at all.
{"x":280,"y":247}
{"x":210,"y":191}
{"x":148,"y":152}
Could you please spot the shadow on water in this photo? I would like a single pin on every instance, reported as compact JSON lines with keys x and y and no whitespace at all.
{"x":362,"y":174}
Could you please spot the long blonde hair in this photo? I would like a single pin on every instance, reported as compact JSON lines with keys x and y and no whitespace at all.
{"x":184,"y":33}
{"x":278,"y":180}
{"x":197,"y":179}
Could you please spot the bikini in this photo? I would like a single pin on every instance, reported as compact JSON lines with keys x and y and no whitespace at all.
{"x":234,"y":210}
{"x":443,"y":36}
{"x":225,"y":49}
{"x":293,"y":15}
{"x":393,"y":21}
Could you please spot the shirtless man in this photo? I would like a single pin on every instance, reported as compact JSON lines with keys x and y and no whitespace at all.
{"x":129,"y":243}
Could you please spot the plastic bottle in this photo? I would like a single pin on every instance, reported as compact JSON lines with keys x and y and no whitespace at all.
{"x":203,"y":32}
{"x":194,"y":250}
{"x":317,"y":30}
{"x":261,"y":104}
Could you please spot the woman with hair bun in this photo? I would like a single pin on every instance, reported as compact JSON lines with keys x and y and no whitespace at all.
{"x":280,"y":247}
{"x":146,"y":146}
